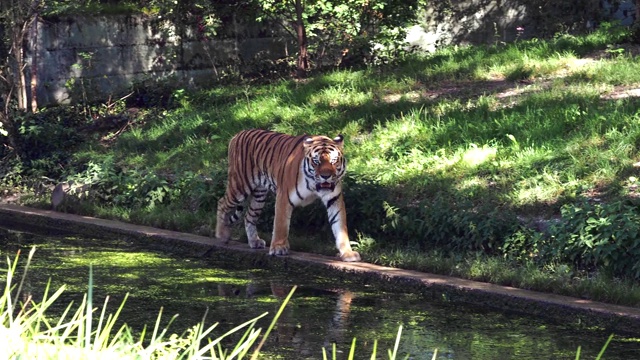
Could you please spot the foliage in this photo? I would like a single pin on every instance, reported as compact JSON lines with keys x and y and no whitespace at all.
{"x":48,"y":137}
{"x":589,"y":235}
{"x":365,"y":202}
{"x":139,"y":189}
{"x":446,"y":223}
{"x":598,"y":235}
{"x":524,"y":245}
{"x":347,"y":34}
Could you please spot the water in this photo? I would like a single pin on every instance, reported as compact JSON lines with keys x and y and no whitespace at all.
{"x":321,"y":312}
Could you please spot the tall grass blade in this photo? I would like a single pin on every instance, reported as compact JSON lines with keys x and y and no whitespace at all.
{"x":37,"y":313}
{"x":157,"y":326}
{"x":375,"y":349}
{"x":197,"y":337}
{"x":96,"y":341}
{"x":601,"y":353}
{"x":70,"y":325}
{"x":61,"y":323}
{"x":156,"y":339}
{"x":194,"y":343}
{"x":243,"y":345}
{"x":89,"y":310}
{"x":251,"y":323}
{"x":352,"y":352}
{"x":80,"y":318}
{"x":8,"y":301}
{"x":273,"y":323}
{"x":397,"y":344}
{"x":111,"y":321}
{"x":24,"y":274}
{"x":435,"y":354}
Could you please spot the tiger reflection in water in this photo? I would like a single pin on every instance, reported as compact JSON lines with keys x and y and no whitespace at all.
{"x":300,"y":336}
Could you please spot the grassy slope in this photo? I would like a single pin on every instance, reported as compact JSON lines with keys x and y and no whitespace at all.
{"x":519,"y":129}
{"x":453,"y":118}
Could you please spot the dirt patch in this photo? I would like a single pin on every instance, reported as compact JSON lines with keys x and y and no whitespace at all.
{"x":508,"y":92}
{"x":451,"y":90}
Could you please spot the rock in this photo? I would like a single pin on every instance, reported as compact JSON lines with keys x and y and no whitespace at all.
{"x":68,"y":189}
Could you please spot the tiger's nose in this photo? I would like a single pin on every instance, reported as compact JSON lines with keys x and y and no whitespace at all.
{"x":325,"y":177}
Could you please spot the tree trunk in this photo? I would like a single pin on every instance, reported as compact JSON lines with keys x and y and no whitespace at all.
{"x":18,"y":67}
{"x":303,"y":63}
{"x":17,"y":25}
{"x":34,"y":64}
{"x":20,"y":29}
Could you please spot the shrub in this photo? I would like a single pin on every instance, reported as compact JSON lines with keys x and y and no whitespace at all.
{"x":601,"y":235}
{"x":364,"y":200}
{"x":524,"y":244}
{"x":444,"y":222}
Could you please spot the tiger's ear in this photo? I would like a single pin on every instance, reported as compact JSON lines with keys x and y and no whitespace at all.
{"x":339,"y":140}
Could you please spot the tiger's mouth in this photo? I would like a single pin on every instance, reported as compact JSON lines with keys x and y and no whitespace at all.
{"x":325,"y":186}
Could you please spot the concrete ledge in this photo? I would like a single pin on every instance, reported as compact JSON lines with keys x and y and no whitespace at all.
{"x":617,"y":319}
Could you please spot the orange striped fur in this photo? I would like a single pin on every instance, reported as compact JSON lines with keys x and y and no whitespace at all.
{"x":299,"y":170}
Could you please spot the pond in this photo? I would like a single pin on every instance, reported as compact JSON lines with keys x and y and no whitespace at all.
{"x":321,"y":312}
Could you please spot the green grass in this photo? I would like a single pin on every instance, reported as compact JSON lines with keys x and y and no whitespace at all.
{"x":451,"y":155}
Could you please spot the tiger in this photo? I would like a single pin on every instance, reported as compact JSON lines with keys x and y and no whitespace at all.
{"x":299,"y":170}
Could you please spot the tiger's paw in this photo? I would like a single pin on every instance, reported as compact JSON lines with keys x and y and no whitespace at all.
{"x":223,"y":232}
{"x":223,"y":238}
{"x":257,"y":244}
{"x":279,"y":250}
{"x":350,"y":256}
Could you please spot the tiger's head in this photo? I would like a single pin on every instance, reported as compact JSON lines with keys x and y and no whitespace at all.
{"x":324,"y":163}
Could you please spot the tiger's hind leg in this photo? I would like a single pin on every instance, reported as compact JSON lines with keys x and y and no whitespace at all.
{"x":229,"y":211}
{"x":258,"y":197}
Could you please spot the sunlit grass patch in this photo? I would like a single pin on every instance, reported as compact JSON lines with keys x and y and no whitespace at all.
{"x":475,"y":156}
{"x":530,"y":66}
{"x":336,"y":96}
{"x":543,"y":188}
{"x":622,"y":70}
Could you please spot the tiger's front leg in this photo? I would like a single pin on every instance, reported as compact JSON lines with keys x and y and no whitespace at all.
{"x":338,"y":221}
{"x":281,"y":222}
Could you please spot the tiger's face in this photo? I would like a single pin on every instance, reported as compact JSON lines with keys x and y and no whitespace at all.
{"x":324,"y":163}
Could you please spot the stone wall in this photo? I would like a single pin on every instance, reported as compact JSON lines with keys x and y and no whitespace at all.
{"x":493,"y":21}
{"x":90,"y":58}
